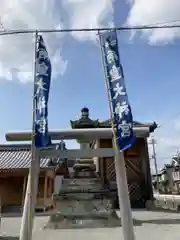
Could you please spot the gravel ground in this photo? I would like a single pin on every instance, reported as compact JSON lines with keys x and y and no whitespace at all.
{"x":149,"y":225}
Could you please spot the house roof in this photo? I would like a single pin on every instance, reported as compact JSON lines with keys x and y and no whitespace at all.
{"x":18,"y":157}
{"x":175,"y":161}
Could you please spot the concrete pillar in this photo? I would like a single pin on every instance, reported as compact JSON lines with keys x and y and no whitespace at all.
{"x":96,"y":159}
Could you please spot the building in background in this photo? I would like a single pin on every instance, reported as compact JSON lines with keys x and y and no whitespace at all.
{"x":14,"y":168}
{"x":169,"y":177}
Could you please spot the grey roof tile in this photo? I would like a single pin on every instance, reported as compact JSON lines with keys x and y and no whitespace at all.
{"x":18,"y":156}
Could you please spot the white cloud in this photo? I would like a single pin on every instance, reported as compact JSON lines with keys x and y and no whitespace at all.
{"x":89,"y":14}
{"x":144,"y":12}
{"x":17,"y":51}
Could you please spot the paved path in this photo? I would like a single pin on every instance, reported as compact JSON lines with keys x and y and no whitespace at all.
{"x":149,"y":225}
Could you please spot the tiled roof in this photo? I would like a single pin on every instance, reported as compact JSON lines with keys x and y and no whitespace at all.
{"x":84,"y":122}
{"x":18,"y":156}
{"x":107,"y":124}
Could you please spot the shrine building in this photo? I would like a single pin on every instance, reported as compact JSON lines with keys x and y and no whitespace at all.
{"x":136,"y":159}
{"x":15,"y":162}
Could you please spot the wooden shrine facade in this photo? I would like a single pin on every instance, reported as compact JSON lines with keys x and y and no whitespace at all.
{"x":137,"y":170}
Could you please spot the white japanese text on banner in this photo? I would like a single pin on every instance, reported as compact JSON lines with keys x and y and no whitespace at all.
{"x":122,"y":114}
{"x":41,"y":94}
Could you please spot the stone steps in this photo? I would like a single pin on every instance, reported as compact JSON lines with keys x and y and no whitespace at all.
{"x":83,"y":201}
{"x":85,"y":195}
{"x":95,"y":215}
{"x":81,"y":185}
{"x":81,"y":181}
{"x":86,"y":207}
{"x":59,"y":221}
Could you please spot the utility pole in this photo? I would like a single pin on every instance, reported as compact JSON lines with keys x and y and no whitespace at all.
{"x":153,"y":142}
{"x":1,"y":25}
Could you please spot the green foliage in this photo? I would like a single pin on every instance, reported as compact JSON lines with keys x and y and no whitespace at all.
{"x":80,"y":140}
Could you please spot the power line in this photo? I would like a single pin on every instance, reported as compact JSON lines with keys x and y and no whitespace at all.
{"x":164,"y":23}
{"x":145,"y":27}
{"x":169,"y":119}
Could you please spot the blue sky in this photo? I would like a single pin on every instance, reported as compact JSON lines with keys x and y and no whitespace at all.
{"x":151,"y":72}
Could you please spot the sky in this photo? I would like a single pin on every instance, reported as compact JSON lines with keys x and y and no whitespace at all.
{"x":150,"y":60}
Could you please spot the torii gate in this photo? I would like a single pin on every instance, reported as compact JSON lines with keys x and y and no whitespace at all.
{"x":90,"y":134}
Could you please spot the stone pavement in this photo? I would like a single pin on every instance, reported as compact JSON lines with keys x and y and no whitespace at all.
{"x":148,"y":225}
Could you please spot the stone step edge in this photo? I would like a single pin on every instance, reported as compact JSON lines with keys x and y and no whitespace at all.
{"x":61,"y":198}
{"x":86,"y":194}
{"x":83,"y":178}
{"x":87,"y":215}
{"x":81,"y":190}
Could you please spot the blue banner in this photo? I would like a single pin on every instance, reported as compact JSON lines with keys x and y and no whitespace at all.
{"x":122,"y":114}
{"x":41,"y":94}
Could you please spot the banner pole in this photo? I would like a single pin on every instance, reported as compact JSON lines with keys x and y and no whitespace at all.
{"x":33,"y":177}
{"x":121,"y":178}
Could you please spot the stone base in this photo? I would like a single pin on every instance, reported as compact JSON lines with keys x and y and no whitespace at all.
{"x":59,"y":221}
{"x":83,"y":203}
